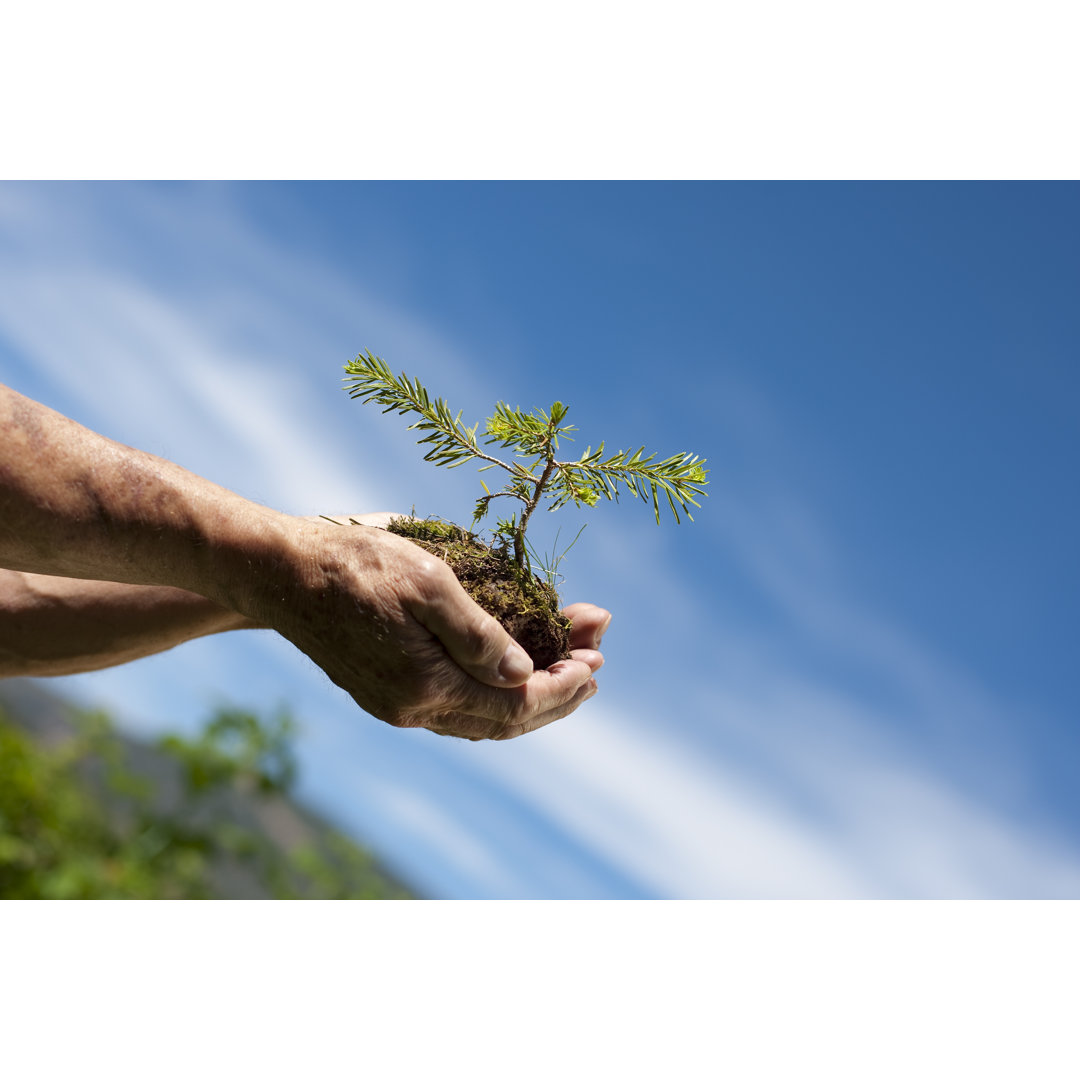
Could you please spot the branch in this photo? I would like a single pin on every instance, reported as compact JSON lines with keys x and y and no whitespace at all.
{"x":370,"y":379}
{"x":680,"y":477}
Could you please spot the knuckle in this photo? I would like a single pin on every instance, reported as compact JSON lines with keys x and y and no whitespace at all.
{"x":430,"y":577}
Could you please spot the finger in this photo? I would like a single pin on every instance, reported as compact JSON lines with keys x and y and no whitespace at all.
{"x":587,"y":690}
{"x":478,"y":729}
{"x":489,"y":713}
{"x":592,"y":657}
{"x":475,"y":640}
{"x":589,"y":623}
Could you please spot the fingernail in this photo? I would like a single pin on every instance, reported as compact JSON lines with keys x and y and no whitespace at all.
{"x":602,"y":631}
{"x":515,"y":665}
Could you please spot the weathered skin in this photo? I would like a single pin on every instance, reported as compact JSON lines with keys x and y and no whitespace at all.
{"x":109,"y":553}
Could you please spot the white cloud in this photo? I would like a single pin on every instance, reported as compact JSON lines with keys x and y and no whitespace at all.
{"x":422,"y":825}
{"x":807,"y":821}
{"x":149,"y":374}
{"x":683,"y":826}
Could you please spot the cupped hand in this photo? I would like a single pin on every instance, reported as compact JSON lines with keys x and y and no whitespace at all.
{"x":391,"y":625}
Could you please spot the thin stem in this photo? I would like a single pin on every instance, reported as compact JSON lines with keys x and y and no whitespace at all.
{"x":473,"y":449}
{"x":530,"y":506}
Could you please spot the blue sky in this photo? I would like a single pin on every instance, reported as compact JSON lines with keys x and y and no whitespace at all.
{"x":848,"y":677}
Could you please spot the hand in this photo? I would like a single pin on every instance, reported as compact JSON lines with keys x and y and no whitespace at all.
{"x":385,"y":620}
{"x":390,"y":624}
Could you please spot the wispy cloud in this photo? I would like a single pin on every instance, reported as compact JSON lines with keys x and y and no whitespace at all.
{"x":681,"y":825}
{"x":797,"y":822}
{"x":129,"y":356}
{"x":421,"y":824}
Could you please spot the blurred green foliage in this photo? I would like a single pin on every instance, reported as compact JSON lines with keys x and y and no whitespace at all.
{"x":79,"y":821}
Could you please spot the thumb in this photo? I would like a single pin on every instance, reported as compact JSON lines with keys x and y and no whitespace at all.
{"x":475,"y":640}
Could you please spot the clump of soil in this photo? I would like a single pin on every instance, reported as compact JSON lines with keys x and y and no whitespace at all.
{"x":525,"y":605}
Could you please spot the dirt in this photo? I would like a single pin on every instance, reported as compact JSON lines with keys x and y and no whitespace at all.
{"x":525,"y":604}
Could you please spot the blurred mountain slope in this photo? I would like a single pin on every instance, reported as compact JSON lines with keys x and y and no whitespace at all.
{"x":89,"y":813}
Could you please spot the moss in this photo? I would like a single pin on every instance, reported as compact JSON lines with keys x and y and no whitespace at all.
{"x":525,"y":605}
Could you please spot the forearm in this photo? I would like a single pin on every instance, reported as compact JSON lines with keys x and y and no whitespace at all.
{"x":75,"y":504}
{"x":60,"y":626}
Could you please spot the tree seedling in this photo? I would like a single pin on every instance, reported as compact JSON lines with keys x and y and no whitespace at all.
{"x":535,"y":474}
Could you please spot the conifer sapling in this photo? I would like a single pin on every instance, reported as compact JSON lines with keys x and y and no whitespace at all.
{"x":501,"y":577}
